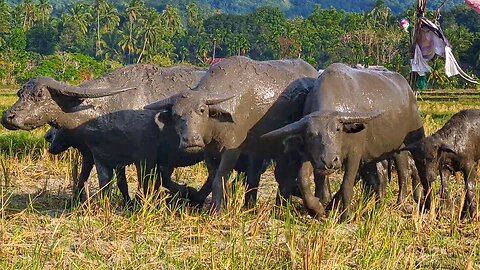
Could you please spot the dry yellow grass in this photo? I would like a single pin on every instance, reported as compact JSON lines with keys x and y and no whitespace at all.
{"x":39,"y":231}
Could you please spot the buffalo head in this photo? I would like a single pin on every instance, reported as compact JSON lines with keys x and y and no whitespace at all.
{"x":193,"y":115}
{"x":59,"y":141}
{"x":321,"y":136}
{"x":41,"y":100}
{"x":428,"y":154}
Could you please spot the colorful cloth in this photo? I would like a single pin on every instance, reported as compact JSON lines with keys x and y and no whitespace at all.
{"x":475,"y":4}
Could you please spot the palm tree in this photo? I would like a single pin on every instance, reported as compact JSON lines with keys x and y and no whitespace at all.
{"x":193,"y":18}
{"x":28,"y":12}
{"x":5,"y":13}
{"x":171,"y":19}
{"x":4,"y":21}
{"x":100,"y":8}
{"x":79,"y":15}
{"x":134,"y":10}
{"x":110,"y":19}
{"x":45,"y":9}
{"x":150,"y":30}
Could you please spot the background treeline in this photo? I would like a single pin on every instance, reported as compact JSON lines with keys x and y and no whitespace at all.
{"x":291,"y":8}
{"x":89,"y":38}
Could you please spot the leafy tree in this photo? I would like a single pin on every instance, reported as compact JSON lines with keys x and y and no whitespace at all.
{"x":42,"y":39}
{"x":150,"y":30}
{"x":134,"y":10}
{"x":28,"y":13}
{"x":44,"y":9}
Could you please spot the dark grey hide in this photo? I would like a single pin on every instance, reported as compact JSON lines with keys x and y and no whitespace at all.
{"x":353,"y":117}
{"x":105,"y":115}
{"x":60,"y":141}
{"x":238,"y":100}
{"x":453,"y":148}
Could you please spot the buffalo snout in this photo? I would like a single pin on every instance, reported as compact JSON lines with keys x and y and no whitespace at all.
{"x":192,"y":143}
{"x":331,"y":163}
{"x":9,"y":120}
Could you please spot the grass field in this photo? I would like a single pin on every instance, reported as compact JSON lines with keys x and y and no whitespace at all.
{"x":39,"y":231}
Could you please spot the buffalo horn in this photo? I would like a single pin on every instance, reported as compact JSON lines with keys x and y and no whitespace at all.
{"x":164,"y":104}
{"x":350,"y":118}
{"x":213,"y":101}
{"x":81,"y":92}
{"x":293,"y":128}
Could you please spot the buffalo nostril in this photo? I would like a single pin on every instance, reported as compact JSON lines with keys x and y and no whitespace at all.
{"x":335,"y":160}
{"x":196,"y":138}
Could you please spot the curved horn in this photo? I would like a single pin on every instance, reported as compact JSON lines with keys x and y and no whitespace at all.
{"x":350,"y":118}
{"x":80,"y":92}
{"x":213,"y":101}
{"x":293,"y":128}
{"x":164,"y":104}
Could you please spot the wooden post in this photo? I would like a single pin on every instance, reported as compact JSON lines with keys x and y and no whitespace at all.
{"x":421,"y":6}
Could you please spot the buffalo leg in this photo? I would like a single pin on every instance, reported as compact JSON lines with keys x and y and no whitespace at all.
{"x":426,"y":185}
{"x":311,"y":203}
{"x":123,"y":186}
{"x":87,"y":166}
{"x":372,"y":181}
{"x":198,"y":199}
{"x":346,"y":188}
{"x":401,"y":161}
{"x":322,"y":188}
{"x":182,"y":191}
{"x":105,"y":175}
{"x":286,"y":171}
{"x":469,"y":174}
{"x":219,"y":185}
{"x":416,"y":183}
{"x":444,"y":176}
{"x":254,"y":171}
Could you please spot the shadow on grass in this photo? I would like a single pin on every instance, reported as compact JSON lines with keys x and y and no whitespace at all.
{"x":43,"y":202}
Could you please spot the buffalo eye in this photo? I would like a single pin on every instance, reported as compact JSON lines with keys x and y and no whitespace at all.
{"x":202,"y":109}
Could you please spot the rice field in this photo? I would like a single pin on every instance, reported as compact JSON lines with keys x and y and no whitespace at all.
{"x":40,"y":229}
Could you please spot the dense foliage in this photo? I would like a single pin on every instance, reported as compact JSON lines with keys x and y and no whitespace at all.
{"x":89,"y":38}
{"x":291,"y":8}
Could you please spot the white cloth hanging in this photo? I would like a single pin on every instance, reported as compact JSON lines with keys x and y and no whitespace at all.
{"x":418,"y":63}
{"x":452,"y":68}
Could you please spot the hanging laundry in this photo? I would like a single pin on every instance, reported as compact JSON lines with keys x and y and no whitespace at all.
{"x":475,"y":4}
{"x":419,"y":64}
{"x":452,"y":68}
{"x":432,"y":43}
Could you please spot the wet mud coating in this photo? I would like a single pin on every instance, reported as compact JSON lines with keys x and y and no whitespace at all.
{"x":453,"y":148}
{"x":353,"y":118}
{"x":233,"y":105}
{"x":104,"y":117}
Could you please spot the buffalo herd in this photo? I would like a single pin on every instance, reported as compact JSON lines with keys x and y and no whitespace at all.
{"x":244,"y":114}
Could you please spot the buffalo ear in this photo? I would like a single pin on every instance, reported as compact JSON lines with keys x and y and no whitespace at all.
{"x":353,"y":127}
{"x":163,"y":118}
{"x":220,"y":114}
{"x":445,"y":148}
{"x":293,"y":142}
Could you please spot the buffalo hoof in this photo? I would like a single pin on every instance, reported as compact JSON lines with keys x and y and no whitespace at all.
{"x":131,"y":204}
{"x":407,"y":208}
{"x":194,"y":198}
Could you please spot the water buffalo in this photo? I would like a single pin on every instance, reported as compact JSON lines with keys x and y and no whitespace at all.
{"x":238,"y":100}
{"x":169,"y":157}
{"x":60,"y":141}
{"x":105,"y":115}
{"x":353,"y":117}
{"x":455,"y":147}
